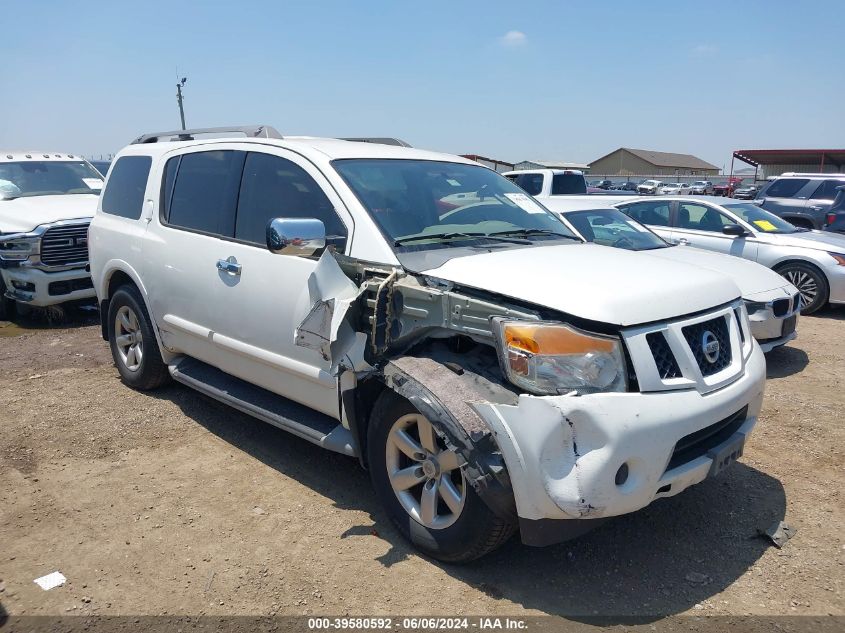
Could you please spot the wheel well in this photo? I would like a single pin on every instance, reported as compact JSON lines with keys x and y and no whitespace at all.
{"x":800,"y":222}
{"x":118,"y":279}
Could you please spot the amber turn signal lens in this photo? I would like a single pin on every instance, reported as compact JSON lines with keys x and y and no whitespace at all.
{"x":553,"y":340}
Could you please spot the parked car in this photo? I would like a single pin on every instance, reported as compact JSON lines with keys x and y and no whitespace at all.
{"x":727,"y":188}
{"x":46,"y":203}
{"x":772,"y":302}
{"x":701,"y":188}
{"x":649,"y":187}
{"x":317,"y":284}
{"x":746,"y":192}
{"x":625,"y":186}
{"x":835,"y":220}
{"x":549,"y":182}
{"x":674,"y":189}
{"x":812,"y":261}
{"x":802,"y":199}
{"x":603,"y":184}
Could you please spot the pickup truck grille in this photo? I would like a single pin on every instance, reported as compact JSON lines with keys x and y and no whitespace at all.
{"x":667,"y":366}
{"x":65,"y":245}
{"x":695,"y":335}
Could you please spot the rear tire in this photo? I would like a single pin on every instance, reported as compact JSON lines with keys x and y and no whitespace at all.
{"x":133,"y":343}
{"x":811,"y":283}
{"x":458,"y":526}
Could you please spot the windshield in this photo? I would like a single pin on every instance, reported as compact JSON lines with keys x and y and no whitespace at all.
{"x":423,"y":204}
{"x":611,"y":227}
{"x":761,"y":219}
{"x":650,"y":182}
{"x":45,"y":178}
{"x":567,"y":184}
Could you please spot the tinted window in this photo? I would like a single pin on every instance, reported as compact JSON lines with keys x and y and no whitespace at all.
{"x":206,"y":192}
{"x":701,"y":218}
{"x":564,"y":184}
{"x":531,"y":183}
{"x":274,"y":187}
{"x":124,"y":195}
{"x":786,"y":187}
{"x":654,"y":213}
{"x":827,"y":190}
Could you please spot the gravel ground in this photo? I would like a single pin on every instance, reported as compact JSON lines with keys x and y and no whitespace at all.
{"x":172,"y":503}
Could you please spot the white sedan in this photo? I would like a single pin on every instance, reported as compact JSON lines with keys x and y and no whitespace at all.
{"x":675,"y":189}
{"x":772,"y":302}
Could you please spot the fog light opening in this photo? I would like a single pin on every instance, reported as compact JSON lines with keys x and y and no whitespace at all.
{"x":622,"y":475}
{"x":27,"y":286}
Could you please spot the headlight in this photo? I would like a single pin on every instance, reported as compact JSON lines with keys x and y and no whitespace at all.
{"x":550,"y":358}
{"x":18,"y":249}
{"x":840,"y":258}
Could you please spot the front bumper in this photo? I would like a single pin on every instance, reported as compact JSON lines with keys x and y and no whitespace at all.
{"x":37,"y":287}
{"x":563,"y":453}
{"x":769,"y":330}
{"x":836,"y":279}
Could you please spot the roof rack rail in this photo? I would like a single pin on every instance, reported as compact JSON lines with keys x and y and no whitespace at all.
{"x":379,"y":140}
{"x":253,"y":131}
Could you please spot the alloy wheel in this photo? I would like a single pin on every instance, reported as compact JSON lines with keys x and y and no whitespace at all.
{"x":425,"y":475}
{"x":129,"y":339}
{"x":805,"y":283}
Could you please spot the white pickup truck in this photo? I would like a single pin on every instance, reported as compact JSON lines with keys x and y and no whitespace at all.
{"x":46,"y":203}
{"x":422,"y":313}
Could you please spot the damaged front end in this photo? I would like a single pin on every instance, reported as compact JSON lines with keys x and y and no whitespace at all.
{"x":560,"y":462}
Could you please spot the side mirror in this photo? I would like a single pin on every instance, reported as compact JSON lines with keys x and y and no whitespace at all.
{"x":301,"y":237}
{"x":734,"y":229}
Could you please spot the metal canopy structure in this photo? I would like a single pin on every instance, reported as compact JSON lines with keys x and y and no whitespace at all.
{"x":820,"y":157}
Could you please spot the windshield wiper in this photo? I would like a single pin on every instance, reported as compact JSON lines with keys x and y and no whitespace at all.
{"x":454,"y":235}
{"x":527,"y":232}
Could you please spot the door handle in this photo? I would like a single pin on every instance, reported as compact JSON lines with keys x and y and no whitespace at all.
{"x":229,"y":265}
{"x":816,"y":208}
{"x":683,"y":240}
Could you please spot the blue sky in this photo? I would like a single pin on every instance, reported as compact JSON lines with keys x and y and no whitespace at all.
{"x":512,"y":80}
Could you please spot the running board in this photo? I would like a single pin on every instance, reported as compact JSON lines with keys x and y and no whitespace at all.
{"x":267,"y":406}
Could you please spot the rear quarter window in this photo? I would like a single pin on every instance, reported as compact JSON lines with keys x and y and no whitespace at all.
{"x":124,"y":193}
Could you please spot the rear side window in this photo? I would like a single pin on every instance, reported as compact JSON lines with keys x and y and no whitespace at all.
{"x":273,"y":187}
{"x":654,"y":213}
{"x":786,"y":187}
{"x":566,"y":184}
{"x":205,"y":192}
{"x":531,"y":183}
{"x":124,"y":195}
{"x":827,"y":190}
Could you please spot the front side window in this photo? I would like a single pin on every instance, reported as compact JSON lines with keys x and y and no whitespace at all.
{"x":702,"y":218}
{"x":786,"y":187}
{"x":422,"y":204}
{"x":653,"y":213}
{"x":273,"y":187}
{"x":611,"y":227}
{"x":23,"y":179}
{"x":205,"y":191}
{"x":125,"y":194}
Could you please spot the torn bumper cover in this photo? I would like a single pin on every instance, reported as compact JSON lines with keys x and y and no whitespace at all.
{"x":564,"y":453}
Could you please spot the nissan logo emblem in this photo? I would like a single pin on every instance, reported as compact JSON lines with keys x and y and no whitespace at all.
{"x":710,"y":346}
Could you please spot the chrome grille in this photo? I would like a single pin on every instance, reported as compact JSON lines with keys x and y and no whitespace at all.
{"x":694,"y":335}
{"x":796,"y":301}
{"x":65,"y":245}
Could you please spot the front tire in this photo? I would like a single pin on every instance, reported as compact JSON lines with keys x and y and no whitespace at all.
{"x":133,"y":343}
{"x":7,"y":306}
{"x":423,"y":487}
{"x":811,"y":283}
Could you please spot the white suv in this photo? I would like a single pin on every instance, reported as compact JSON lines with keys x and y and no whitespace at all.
{"x":424,"y":314}
{"x":46,"y":203}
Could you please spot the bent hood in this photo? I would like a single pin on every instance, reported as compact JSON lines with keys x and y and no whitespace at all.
{"x":593,"y":282}
{"x":22,"y":215}
{"x":750,"y":277}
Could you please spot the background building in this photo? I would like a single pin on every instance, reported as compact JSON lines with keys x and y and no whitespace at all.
{"x":642,"y":162}
{"x":492,"y":163}
{"x":773,"y":162}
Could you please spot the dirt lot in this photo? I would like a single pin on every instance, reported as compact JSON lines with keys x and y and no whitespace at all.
{"x":172,"y":503}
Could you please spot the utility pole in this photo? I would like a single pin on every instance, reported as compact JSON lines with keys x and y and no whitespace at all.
{"x":179,"y":87}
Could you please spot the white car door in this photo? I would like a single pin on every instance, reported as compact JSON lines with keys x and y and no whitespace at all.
{"x":263,"y":296}
{"x":701,"y":225}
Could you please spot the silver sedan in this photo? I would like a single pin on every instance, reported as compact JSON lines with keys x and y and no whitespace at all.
{"x":814,"y":261}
